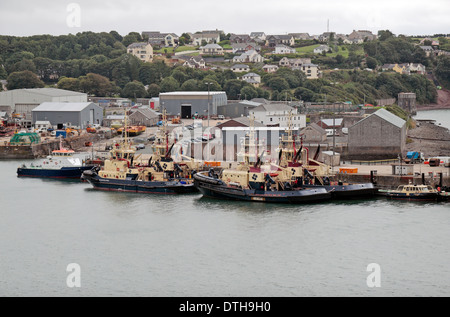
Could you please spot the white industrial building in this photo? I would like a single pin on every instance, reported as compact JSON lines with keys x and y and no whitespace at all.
{"x":23,"y":101}
{"x":277,"y":114}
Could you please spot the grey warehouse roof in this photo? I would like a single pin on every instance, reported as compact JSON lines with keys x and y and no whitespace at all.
{"x":53,"y":92}
{"x":387,"y":116}
{"x":62,"y":106}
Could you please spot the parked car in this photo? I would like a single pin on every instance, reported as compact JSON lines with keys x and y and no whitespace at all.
{"x":140,"y":146}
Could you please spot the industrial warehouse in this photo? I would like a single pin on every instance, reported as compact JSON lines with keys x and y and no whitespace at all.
{"x":192,"y":103}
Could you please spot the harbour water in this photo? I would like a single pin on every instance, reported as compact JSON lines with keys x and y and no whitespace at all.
{"x":442,"y":116}
{"x":149,"y":245}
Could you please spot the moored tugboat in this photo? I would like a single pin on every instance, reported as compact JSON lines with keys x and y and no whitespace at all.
{"x":258,"y":182}
{"x":317,"y":174}
{"x":160,"y":176}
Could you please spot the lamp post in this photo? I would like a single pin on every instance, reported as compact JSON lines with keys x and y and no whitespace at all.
{"x":208,"y":100}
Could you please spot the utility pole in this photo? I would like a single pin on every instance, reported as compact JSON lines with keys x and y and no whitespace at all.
{"x":334,"y":136}
{"x":208,"y":100}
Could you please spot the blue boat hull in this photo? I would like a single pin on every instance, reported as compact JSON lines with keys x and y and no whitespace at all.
{"x":64,"y":172}
{"x":134,"y":186}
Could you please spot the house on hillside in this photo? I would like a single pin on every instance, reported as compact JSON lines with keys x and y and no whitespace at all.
{"x":322,"y":48}
{"x":258,"y":36}
{"x":195,"y":62}
{"x":300,"y":36}
{"x":240,"y":48}
{"x":143,"y":51}
{"x":240,"y":38}
{"x":363,"y":35}
{"x":274,"y":40}
{"x":161,"y":39}
{"x":211,"y":49}
{"x":252,"y":78}
{"x":270,"y":68}
{"x":239,"y":68}
{"x":248,"y":57}
{"x":207,"y":36}
{"x":284,"y":49}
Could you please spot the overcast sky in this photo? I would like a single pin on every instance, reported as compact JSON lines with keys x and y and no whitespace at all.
{"x":409,"y":17}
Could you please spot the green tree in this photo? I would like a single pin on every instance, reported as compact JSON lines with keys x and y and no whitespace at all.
{"x":190,"y":85}
{"x":134,"y":89}
{"x":98,"y":85}
{"x":248,"y":93}
{"x":443,"y":68}
{"x":180,"y":75}
{"x":384,"y":35}
{"x":169,"y":84}
{"x":24,"y":79}
{"x":153,"y":90}
{"x":371,"y":62}
{"x":116,"y":36}
{"x":68,"y":83}
{"x":278,"y":83}
{"x":304,"y":94}
{"x":132,"y":37}
{"x":25,"y":64}
{"x":233,"y":88}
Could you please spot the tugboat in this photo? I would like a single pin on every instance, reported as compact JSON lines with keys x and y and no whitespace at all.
{"x":317,"y":174}
{"x":258,"y":182}
{"x":120,"y":173}
{"x":61,"y":164}
{"x":414,"y":193}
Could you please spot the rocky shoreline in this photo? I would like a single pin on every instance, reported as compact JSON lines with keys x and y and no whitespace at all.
{"x":429,"y":138}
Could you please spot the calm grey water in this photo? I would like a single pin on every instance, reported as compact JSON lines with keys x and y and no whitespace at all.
{"x":442,"y":117}
{"x":144,"y":245}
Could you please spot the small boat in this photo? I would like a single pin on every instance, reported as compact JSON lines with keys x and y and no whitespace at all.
{"x":61,"y":164}
{"x":414,"y":193}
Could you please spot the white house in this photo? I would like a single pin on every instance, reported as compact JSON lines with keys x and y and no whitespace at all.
{"x":258,"y":36}
{"x":277,"y":114}
{"x":248,"y":57}
{"x":208,"y":37}
{"x":321,"y":48}
{"x":239,"y":68}
{"x":270,"y":68}
{"x":143,"y":51}
{"x":211,"y":49}
{"x":239,"y":48}
{"x":311,"y":70}
{"x":284,"y":49}
{"x":195,"y":62}
{"x":252,"y":78}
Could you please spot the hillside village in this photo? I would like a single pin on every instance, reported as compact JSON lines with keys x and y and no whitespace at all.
{"x":330,"y":84}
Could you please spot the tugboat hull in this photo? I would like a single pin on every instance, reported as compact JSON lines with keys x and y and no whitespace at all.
{"x":63,"y":172}
{"x":215,"y":188}
{"x":134,"y":186}
{"x":348,"y":191}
